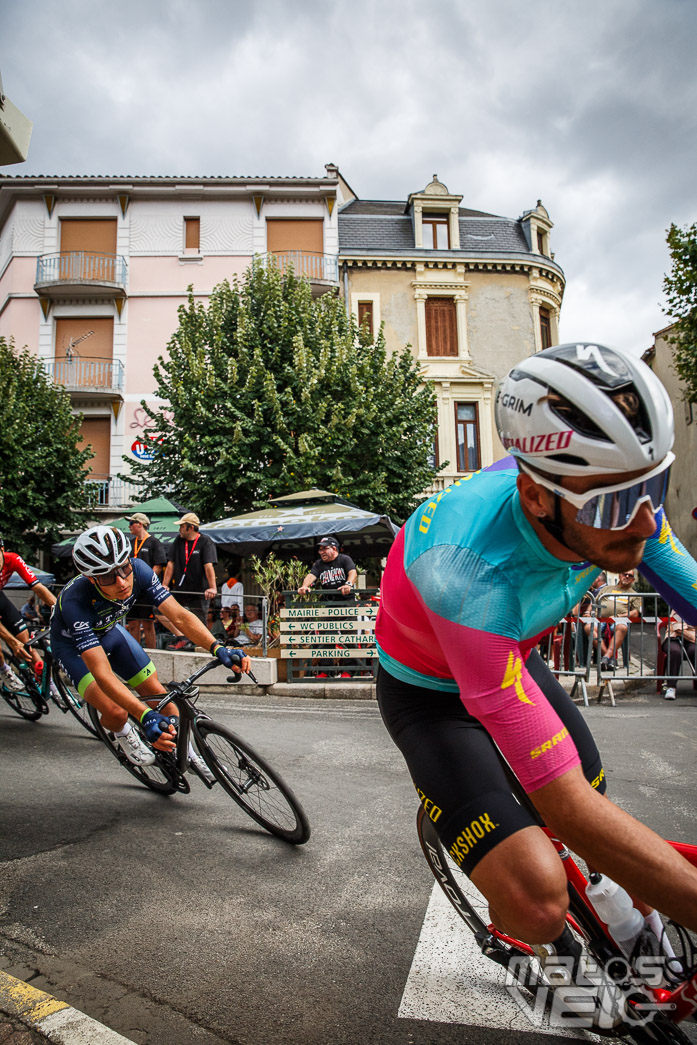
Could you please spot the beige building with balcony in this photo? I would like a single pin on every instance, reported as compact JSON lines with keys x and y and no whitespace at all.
{"x":471,"y":292}
{"x":93,"y":270}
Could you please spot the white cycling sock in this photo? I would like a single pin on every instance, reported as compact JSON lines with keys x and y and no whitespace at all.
{"x":125,"y":731}
{"x":5,"y":668}
{"x":192,"y":752}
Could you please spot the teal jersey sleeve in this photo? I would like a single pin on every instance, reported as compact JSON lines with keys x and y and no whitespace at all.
{"x":670,"y":568}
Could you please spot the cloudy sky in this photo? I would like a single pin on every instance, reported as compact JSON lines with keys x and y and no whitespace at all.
{"x":591,"y":107}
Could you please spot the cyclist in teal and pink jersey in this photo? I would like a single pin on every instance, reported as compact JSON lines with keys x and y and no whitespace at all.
{"x":476,"y":576}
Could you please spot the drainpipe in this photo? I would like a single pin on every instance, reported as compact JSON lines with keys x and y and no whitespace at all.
{"x":346,"y":297}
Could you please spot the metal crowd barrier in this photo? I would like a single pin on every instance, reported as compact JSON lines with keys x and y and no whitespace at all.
{"x":575,"y":649}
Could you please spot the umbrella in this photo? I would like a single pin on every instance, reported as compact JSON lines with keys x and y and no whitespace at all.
{"x":162,"y":513}
{"x":292,"y":525}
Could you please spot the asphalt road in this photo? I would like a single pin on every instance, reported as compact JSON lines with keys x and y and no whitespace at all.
{"x":178,"y":922}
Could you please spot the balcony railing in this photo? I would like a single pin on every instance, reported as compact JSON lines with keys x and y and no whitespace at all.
{"x":317,"y":267}
{"x":112,"y":493}
{"x":81,"y":267}
{"x":86,"y":375}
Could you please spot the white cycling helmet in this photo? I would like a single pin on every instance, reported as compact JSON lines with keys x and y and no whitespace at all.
{"x":100,"y":550}
{"x":584,"y":409}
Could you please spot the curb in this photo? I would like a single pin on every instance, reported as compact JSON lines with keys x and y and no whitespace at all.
{"x":54,"y":1020}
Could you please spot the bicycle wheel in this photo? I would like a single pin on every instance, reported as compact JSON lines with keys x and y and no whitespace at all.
{"x":161,"y":776}
{"x":27,"y":701}
{"x":251,"y":782}
{"x":71,"y":701}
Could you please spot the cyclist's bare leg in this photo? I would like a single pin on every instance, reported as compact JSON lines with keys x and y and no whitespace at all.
{"x":618,"y":845}
{"x":149,"y":638}
{"x":113,"y":716}
{"x":150,"y":692}
{"x":524,"y":882}
{"x":133,"y":628}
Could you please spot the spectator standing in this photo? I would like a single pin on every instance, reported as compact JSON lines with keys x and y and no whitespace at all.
{"x":189,"y":571}
{"x":616,"y":601}
{"x":679,"y":640}
{"x":334,"y":570}
{"x":152,"y":552}
{"x":232,"y":592}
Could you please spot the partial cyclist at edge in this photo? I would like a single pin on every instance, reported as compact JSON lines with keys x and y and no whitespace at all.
{"x":92,"y":645}
{"x":13,"y":627}
{"x":474,"y":579}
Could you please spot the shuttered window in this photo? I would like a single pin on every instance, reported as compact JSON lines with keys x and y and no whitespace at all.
{"x":441,"y":327}
{"x":96,"y":431}
{"x":192,"y":234}
{"x":365,"y":315}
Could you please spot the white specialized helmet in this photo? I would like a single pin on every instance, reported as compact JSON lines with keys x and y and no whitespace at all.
{"x":100,"y":550}
{"x":584,"y":409}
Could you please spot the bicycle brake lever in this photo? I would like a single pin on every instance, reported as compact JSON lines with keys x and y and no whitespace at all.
{"x":238,"y":678}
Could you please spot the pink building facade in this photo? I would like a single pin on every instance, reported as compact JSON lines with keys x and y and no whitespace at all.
{"x":93,"y":270}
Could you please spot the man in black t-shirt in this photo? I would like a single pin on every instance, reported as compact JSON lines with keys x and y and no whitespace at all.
{"x":150,"y":550}
{"x":189,"y":572}
{"x":333,"y":570}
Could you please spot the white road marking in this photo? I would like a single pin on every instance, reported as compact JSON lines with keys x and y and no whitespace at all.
{"x":450,"y":981}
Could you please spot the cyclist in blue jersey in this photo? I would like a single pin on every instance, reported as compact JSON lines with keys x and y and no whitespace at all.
{"x":92,"y":645}
{"x":476,"y":576}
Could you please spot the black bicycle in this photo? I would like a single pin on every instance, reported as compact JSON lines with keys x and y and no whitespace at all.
{"x":243,"y":774}
{"x":27,"y":701}
{"x":35,"y":697}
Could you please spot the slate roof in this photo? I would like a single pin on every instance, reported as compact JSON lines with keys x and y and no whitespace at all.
{"x":384,"y":227}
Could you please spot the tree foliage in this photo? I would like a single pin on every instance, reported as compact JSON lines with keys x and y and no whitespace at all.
{"x":42,"y":478}
{"x":680,"y":286}
{"x":270,"y":391}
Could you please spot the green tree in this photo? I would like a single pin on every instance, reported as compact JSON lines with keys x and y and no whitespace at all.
{"x":270,"y":391}
{"x":680,"y":286}
{"x":42,"y":478}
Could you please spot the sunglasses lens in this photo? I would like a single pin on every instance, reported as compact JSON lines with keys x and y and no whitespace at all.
{"x":614,"y":510}
{"x":110,"y":578}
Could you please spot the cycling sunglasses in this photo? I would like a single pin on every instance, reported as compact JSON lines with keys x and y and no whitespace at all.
{"x":110,"y":578}
{"x":614,"y":507}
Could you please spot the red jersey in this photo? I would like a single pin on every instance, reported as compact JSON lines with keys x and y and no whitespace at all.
{"x":15,"y":564}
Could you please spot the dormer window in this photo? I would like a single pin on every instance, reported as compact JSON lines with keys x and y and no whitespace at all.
{"x":436,"y":233}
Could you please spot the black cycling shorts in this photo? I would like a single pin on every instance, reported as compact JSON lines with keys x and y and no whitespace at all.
{"x":10,"y":616}
{"x":456,"y":769}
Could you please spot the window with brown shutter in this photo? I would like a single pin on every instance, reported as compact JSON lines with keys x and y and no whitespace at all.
{"x":192,"y":235}
{"x":441,"y":327}
{"x":365,"y":315}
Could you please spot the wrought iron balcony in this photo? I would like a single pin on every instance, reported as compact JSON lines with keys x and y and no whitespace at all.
{"x":84,"y":377}
{"x":80,"y":272}
{"x":106,"y":492}
{"x":321,"y":269}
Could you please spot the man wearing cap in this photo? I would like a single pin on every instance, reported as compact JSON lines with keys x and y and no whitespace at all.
{"x":333,"y":569}
{"x":151,"y":551}
{"x":189,"y":572}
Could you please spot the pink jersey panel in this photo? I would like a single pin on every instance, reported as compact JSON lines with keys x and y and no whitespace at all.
{"x":497,"y":689}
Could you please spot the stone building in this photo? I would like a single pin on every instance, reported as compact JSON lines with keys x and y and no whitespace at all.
{"x":471,"y":292}
{"x":681,"y":503}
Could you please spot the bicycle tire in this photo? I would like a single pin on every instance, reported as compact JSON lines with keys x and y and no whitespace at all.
{"x":27,"y":702}
{"x":72,"y":701}
{"x":162,"y":776}
{"x":251,"y":782}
